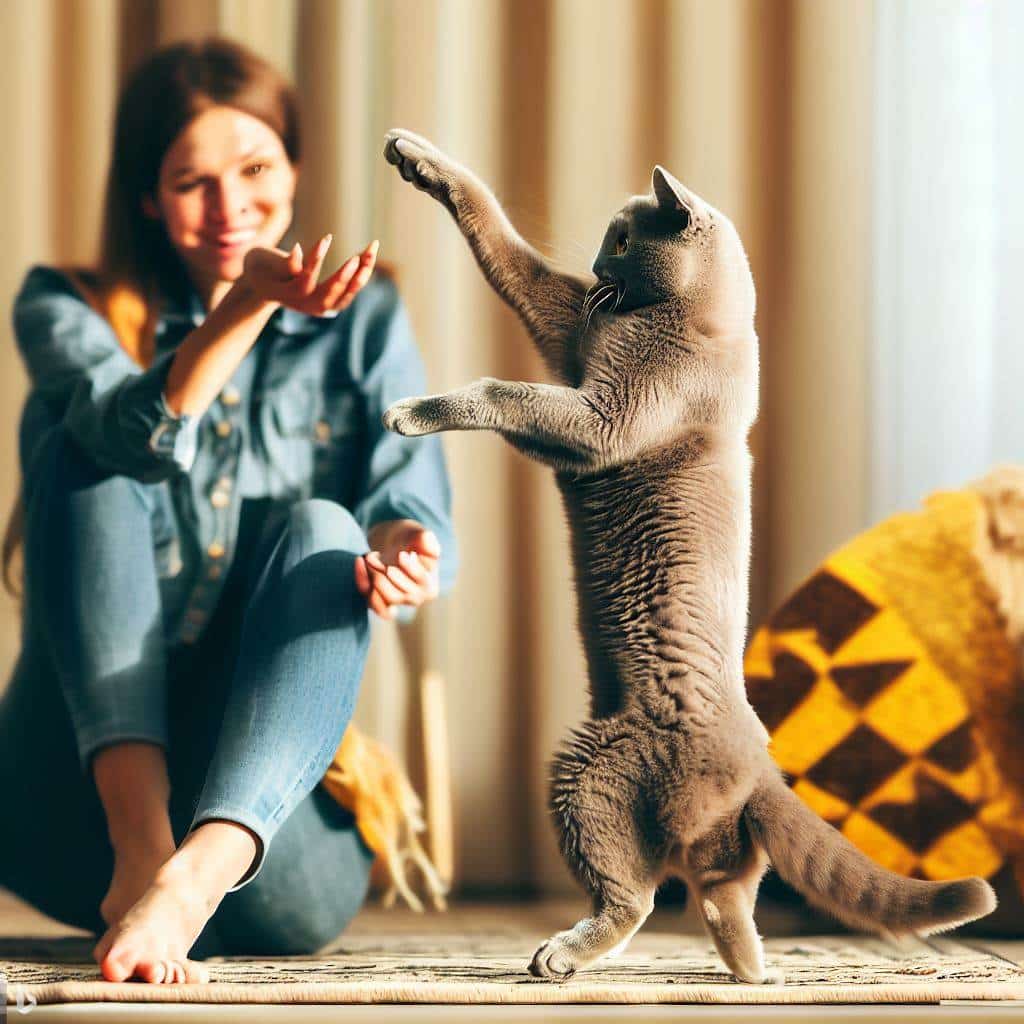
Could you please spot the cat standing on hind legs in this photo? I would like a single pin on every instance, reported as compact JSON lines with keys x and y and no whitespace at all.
{"x":656,"y":363}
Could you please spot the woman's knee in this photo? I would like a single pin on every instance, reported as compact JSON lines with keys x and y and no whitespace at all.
{"x":321,"y":525}
{"x":309,"y":582}
{"x":61,"y":469}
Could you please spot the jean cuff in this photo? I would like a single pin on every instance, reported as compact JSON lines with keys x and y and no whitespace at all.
{"x":240,"y":816}
{"x":176,"y":435}
{"x":91,"y":741}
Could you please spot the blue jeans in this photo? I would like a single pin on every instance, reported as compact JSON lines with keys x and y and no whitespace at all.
{"x":250,"y":715}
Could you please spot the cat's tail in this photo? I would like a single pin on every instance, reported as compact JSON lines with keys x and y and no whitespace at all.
{"x":833,"y":874}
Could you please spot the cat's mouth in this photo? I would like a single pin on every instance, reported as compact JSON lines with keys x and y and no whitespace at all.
{"x":600,"y":294}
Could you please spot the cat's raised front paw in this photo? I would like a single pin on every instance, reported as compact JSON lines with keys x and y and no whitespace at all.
{"x":421,"y":163}
{"x":553,"y":961}
{"x":404,"y":418}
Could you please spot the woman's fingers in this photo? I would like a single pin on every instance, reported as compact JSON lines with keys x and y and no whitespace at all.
{"x":386,"y":588}
{"x":398,"y":577}
{"x":334,"y":287}
{"x":362,"y":576}
{"x":367,"y":261}
{"x":413,"y":567}
{"x":410,"y":582}
{"x":312,"y":272}
{"x":419,"y":572}
{"x":379,"y":574}
{"x":379,"y":605}
{"x":295,"y":259}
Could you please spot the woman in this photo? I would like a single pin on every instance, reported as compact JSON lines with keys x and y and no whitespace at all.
{"x":211,"y":510}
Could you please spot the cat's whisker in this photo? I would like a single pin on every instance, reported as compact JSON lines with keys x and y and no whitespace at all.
{"x":589,"y":299}
{"x":605,"y":293}
{"x":592,"y":293}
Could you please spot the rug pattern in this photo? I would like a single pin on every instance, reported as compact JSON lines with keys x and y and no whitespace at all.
{"x":491,"y":968}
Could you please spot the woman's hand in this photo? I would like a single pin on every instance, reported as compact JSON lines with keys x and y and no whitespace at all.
{"x":292,"y":280}
{"x":400,"y":569}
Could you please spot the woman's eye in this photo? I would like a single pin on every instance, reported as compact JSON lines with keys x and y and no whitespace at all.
{"x":621,"y":243}
{"x":254,"y":170}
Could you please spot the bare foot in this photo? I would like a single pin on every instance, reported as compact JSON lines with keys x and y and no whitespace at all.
{"x":134,"y":872}
{"x":151,"y":941}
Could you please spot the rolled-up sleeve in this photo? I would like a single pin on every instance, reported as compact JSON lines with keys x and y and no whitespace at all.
{"x":405,"y":477}
{"x":115,"y":411}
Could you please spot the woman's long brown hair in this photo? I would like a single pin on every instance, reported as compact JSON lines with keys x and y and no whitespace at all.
{"x":137,"y":265}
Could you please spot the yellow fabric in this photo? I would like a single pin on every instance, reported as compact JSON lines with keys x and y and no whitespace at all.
{"x":365,"y":778}
{"x":892,"y":693}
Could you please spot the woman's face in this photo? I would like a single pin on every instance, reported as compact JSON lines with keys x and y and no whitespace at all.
{"x":226,"y":184}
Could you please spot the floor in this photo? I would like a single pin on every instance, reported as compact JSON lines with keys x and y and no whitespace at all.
{"x":18,"y":919}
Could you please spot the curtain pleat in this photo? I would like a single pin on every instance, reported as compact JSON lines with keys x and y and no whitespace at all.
{"x":563,"y":106}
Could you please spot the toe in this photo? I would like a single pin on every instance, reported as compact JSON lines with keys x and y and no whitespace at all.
{"x":152,"y":971}
{"x":196,"y":973}
{"x":117,"y":963}
{"x":116,"y":968}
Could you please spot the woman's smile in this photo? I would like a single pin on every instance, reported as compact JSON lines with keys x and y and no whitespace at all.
{"x":230,"y":242}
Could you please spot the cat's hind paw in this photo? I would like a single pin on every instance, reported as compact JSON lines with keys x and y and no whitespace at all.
{"x":553,"y":961}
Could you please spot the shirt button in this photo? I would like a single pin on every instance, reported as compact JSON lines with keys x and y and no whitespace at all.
{"x":196,"y":615}
{"x":223,"y":428}
{"x":219,"y":499}
{"x":230,"y":395}
{"x":323,"y":431}
{"x":216,"y":550}
{"x":213,"y":572}
{"x":224,"y":483}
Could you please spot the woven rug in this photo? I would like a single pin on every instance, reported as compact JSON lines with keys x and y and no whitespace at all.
{"x":490,"y":967}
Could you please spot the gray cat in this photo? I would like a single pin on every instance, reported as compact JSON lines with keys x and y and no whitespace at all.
{"x":646,"y":429}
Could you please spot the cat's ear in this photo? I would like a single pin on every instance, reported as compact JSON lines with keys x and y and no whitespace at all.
{"x":669,"y":192}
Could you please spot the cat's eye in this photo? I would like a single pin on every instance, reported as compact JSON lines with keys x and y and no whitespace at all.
{"x":620,"y":243}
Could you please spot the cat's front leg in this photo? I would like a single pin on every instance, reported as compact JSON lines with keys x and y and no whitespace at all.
{"x":462,"y":409}
{"x":559,"y":426}
{"x":547,"y":300}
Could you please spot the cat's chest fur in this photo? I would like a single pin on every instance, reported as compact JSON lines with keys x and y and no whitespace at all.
{"x":659,"y":549}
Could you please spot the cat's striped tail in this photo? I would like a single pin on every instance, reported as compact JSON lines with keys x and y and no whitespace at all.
{"x":833,"y":874}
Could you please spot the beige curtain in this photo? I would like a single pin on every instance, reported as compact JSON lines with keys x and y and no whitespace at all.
{"x":564,"y":106}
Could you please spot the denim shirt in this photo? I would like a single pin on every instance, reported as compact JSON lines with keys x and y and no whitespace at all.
{"x":300,"y":419}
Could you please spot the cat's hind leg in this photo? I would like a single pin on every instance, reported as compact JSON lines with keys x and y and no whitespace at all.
{"x":727,"y":910}
{"x":605,"y":841}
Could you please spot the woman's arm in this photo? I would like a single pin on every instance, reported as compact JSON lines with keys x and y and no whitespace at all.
{"x":208,"y":357}
{"x":143,"y":423}
{"x":205,"y":361}
{"x":405,"y":478}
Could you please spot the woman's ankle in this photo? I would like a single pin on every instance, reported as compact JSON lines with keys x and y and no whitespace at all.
{"x":213,"y":857}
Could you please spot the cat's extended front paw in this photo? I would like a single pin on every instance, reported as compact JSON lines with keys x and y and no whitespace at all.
{"x":553,"y":961}
{"x":422,"y":164}
{"x":409,"y":417}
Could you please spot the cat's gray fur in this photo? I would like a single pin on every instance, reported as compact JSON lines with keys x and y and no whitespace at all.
{"x":646,"y":430}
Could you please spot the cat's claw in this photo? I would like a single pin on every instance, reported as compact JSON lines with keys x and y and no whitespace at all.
{"x":553,"y":962}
